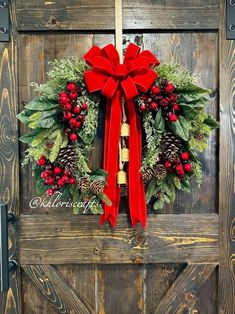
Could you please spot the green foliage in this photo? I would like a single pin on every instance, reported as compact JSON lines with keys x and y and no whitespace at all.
{"x":181,"y":128}
{"x":58,"y":137}
{"x":41,"y":104}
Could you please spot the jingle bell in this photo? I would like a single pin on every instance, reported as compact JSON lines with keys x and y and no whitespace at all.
{"x":124,"y":154}
{"x":121,"y":177}
{"x":125,"y":129}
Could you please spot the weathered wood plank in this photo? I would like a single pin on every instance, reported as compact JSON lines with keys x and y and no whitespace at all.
{"x":120,"y":289}
{"x":99,"y":15}
{"x":10,"y":302}
{"x":227,"y":170}
{"x":56,"y":290}
{"x":182,"y":295}
{"x":80,"y":239}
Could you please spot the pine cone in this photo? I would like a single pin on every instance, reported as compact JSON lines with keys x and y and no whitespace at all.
{"x":67,"y":158}
{"x":170,"y":146}
{"x":160,"y":172}
{"x":123,"y":190}
{"x":147,"y":174}
{"x":97,"y":186}
{"x":83,"y":184}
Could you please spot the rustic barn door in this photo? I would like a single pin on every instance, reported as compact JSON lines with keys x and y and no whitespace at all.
{"x":184,"y":261}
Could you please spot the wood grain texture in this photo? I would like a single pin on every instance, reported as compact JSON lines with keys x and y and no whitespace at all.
{"x":10,"y":302}
{"x":60,"y":295}
{"x":99,"y":15}
{"x":183,"y":293}
{"x":74,"y":239}
{"x":227,"y":169}
{"x":198,"y":53}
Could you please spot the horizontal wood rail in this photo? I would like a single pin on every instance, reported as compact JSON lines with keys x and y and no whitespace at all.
{"x":183,"y":238}
{"x":90,"y":15}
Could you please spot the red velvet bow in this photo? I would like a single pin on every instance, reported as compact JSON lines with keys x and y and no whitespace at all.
{"x":114,"y":79}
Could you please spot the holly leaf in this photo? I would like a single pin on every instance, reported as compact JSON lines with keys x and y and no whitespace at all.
{"x":41,"y":104}
{"x":151,"y":190}
{"x":211,"y":122}
{"x":181,"y":128}
{"x":98,"y":174}
{"x":159,"y":123}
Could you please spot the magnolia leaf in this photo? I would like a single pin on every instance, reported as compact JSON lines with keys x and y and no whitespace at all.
{"x":181,"y":128}
{"x":46,"y":123}
{"x":105,"y":199}
{"x":159,"y":123}
{"x":24,"y":116}
{"x":211,"y":122}
{"x":40,"y":104}
{"x":185,"y":185}
{"x":98,"y":174}
{"x":28,"y":138}
{"x":191,"y":88}
{"x":151,"y":189}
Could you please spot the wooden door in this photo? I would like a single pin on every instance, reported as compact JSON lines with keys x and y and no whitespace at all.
{"x":184,"y":261}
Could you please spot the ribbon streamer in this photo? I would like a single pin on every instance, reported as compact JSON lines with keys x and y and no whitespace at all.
{"x":115,"y":80}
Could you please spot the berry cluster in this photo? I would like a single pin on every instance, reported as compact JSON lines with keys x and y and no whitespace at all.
{"x":180,"y":166}
{"x":74,"y":111}
{"x":54,"y":176}
{"x":161,"y":96}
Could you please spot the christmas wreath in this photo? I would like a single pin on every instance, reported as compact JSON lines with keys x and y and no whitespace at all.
{"x":155,"y":125}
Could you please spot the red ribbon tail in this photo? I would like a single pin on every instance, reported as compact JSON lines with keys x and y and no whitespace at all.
{"x":111,"y":144}
{"x":137,"y":202}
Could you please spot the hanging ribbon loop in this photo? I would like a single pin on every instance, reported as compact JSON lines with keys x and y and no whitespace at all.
{"x":113,"y":80}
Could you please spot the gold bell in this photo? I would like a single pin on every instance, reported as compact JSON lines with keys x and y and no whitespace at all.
{"x":124,"y":154}
{"x":121,"y":177}
{"x":125,"y":129}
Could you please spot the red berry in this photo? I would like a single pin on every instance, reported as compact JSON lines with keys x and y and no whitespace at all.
{"x":67,"y":173}
{"x":169,"y":88}
{"x":68,"y":115}
{"x":50,"y":192}
{"x":77,"y":110}
{"x":173,"y":117}
{"x":49,"y":180}
{"x":188,"y":167}
{"x":143,"y":107}
{"x":45,"y":174}
{"x":153,"y":105}
{"x":71,"y":181}
{"x":184,"y":155}
{"x":61,"y":182}
{"x":73,"y":136}
{"x":164,"y":82}
{"x":67,"y":107}
{"x":73,"y":95}
{"x":175,"y":107}
{"x":65,"y":178}
{"x":72,"y":121}
{"x":57,"y":170}
{"x":164,"y":102}
{"x":168,"y":164}
{"x":156,"y":90}
{"x":173,"y":97}
{"x":41,"y":161}
{"x":71,"y":86}
{"x":84,"y":106}
{"x":78,"y":124}
{"x":63,"y":94}
{"x":64,"y":99}
{"x":179,"y":169}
